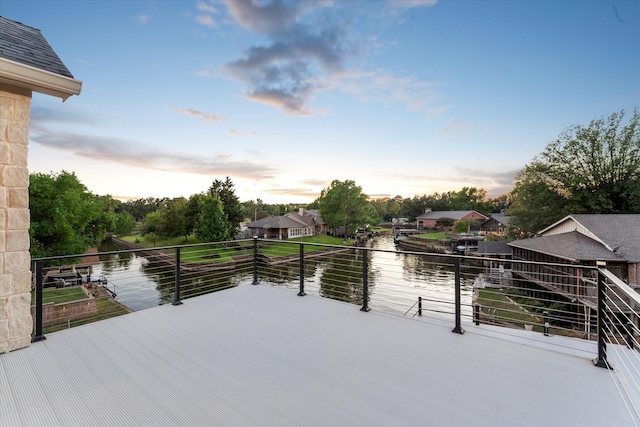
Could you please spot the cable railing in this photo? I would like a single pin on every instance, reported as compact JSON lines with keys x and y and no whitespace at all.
{"x":530,"y":300}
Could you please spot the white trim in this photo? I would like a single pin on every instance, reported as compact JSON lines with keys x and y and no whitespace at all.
{"x":26,"y":76}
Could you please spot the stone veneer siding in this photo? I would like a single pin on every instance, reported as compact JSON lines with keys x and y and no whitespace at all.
{"x":15,"y":276}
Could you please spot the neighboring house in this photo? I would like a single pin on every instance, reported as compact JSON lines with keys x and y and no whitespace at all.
{"x":294,"y":224}
{"x":498,"y":224}
{"x":27,"y":65}
{"x":429,"y":218}
{"x":584,"y":239}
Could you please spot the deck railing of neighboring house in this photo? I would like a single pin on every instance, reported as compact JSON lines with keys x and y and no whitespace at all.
{"x":536,"y":301}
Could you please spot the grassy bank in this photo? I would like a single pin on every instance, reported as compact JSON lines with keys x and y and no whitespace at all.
{"x":219,"y":253}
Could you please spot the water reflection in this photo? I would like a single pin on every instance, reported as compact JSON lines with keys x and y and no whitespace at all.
{"x":394,"y":280}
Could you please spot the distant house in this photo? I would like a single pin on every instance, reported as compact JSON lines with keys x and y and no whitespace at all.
{"x":429,"y":218}
{"x":498,"y":224}
{"x":584,"y":239}
{"x":294,"y":224}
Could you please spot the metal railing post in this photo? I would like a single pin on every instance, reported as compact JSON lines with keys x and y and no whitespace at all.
{"x":477,"y":314}
{"x":365,"y":281}
{"x":601,"y":361}
{"x":176,"y":299}
{"x":255,"y":260}
{"x":458,"y":300}
{"x":419,"y":306}
{"x":302,"y":292}
{"x":39,"y":321}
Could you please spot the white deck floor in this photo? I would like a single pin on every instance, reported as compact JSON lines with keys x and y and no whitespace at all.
{"x":257,"y":355}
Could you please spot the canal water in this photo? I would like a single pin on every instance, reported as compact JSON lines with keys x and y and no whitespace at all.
{"x":395,"y":280}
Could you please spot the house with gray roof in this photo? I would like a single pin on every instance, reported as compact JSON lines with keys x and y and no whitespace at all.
{"x":584,"y":239}
{"x":27,"y":64}
{"x":302,"y":223}
{"x":430,"y":218}
{"x":498,"y":224}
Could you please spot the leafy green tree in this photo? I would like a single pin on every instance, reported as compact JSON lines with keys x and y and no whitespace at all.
{"x":151,"y":222}
{"x":173,"y":221}
{"x":343,"y":204}
{"x":465,"y":225}
{"x":211,"y":223}
{"x":230,"y":204}
{"x":125,"y":224}
{"x":587,"y":169}
{"x":65,"y":217}
{"x":445,"y":222}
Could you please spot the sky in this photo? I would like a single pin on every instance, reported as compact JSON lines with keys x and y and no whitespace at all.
{"x":405,"y":97}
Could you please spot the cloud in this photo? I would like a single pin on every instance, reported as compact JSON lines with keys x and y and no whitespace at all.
{"x":204,"y":6}
{"x":240,"y":133}
{"x":398,"y":6}
{"x":206,"y":20}
{"x":43,"y":115}
{"x":457,"y":130}
{"x":142,"y":18}
{"x":137,"y":155}
{"x":298,"y":59}
{"x":207,"y":117}
{"x":381,"y":86}
{"x":496,"y":183}
{"x":294,"y":191}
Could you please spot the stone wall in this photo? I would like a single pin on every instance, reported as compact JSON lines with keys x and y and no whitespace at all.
{"x":15,"y":277}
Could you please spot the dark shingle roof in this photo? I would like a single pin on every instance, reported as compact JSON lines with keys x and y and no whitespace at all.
{"x":502,"y":218}
{"x":493,"y":248}
{"x":26,"y":45}
{"x":616,"y":230}
{"x":446,"y":214}
{"x":275,"y":222}
{"x":574,"y":246}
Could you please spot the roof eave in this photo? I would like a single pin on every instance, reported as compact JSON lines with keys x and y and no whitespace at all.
{"x":35,"y":79}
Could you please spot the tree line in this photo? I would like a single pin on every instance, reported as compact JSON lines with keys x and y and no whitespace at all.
{"x":587,"y":169}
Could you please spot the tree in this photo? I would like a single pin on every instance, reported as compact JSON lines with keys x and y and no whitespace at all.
{"x":173,"y":220}
{"x":587,"y":169}
{"x":465,"y":225}
{"x":445,"y":222}
{"x":343,"y":204}
{"x":125,"y":224}
{"x":211,"y":223}
{"x":66,"y":218}
{"x":230,"y":204}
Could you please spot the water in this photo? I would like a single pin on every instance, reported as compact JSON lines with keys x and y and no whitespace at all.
{"x":395,"y":281}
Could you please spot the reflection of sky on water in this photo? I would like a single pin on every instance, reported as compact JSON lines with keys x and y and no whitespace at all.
{"x":133,"y":288}
{"x":395,"y":280}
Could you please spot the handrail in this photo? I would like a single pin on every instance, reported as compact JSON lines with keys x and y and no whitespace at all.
{"x":635,"y":296}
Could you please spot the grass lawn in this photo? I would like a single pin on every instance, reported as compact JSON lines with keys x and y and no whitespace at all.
{"x":208,"y":253}
{"x":162,"y":241}
{"x":434,"y":236}
{"x":59,"y":295}
{"x":283,"y":249}
{"x":106,"y":308}
{"x":494,"y":302}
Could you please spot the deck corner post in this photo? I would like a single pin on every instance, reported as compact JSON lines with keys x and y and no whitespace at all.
{"x":302,"y":292}
{"x":39,"y":336}
{"x":255,"y":260}
{"x":458,"y":299}
{"x":601,"y":361}
{"x":176,"y":298}
{"x":365,"y":281}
